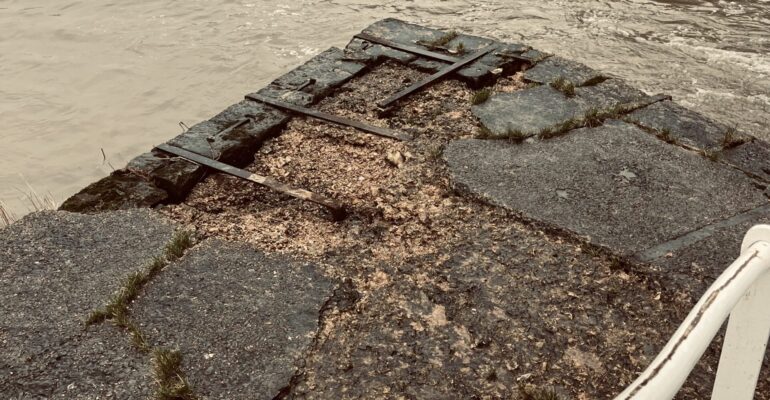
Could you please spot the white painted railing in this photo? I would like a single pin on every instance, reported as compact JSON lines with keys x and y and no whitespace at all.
{"x":742,"y":292}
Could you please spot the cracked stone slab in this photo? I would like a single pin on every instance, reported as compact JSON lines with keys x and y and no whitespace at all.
{"x":55,"y":268}
{"x":615,"y":184}
{"x":684,"y":125}
{"x":553,"y":68}
{"x":241,"y":319}
{"x":528,"y":111}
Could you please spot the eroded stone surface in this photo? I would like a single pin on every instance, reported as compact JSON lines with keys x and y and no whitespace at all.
{"x":119,"y":191}
{"x":553,"y":68}
{"x":240,"y":318}
{"x":683,"y":125}
{"x":621,"y":187}
{"x":55,"y":268}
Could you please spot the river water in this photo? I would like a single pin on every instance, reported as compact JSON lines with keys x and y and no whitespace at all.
{"x":87,"y":85}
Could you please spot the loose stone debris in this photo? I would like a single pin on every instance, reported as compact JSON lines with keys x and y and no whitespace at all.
{"x":542,"y":236}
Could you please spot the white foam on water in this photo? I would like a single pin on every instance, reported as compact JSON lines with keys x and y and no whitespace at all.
{"x":753,"y":62}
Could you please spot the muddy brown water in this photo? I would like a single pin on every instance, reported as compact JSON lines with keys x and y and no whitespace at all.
{"x":80,"y":77}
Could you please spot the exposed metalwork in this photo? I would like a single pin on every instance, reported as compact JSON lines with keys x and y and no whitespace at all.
{"x":407,"y":48}
{"x":376,"y":130}
{"x":435,"y":77}
{"x":337,"y":211}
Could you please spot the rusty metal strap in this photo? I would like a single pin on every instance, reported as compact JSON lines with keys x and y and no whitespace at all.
{"x":407,"y":48}
{"x":435,"y":77}
{"x":376,"y":130}
{"x":337,"y":211}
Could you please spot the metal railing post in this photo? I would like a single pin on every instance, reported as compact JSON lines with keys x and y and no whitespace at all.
{"x":747,"y":334}
{"x":745,"y":284}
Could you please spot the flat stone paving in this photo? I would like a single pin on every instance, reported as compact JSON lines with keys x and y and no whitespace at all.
{"x":241,"y":319}
{"x":616,"y":184}
{"x":56,"y":268}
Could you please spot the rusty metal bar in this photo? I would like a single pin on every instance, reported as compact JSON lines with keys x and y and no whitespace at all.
{"x":435,"y":77}
{"x":337,"y":211}
{"x":376,"y":130}
{"x":407,"y":48}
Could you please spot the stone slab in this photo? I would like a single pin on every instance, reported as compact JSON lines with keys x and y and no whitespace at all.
{"x":528,"y":111}
{"x":55,"y":268}
{"x":533,"y":110}
{"x":253,"y":317}
{"x":616,"y":184}
{"x":684,"y":125}
{"x":119,"y":191}
{"x":553,"y":68}
{"x":610,"y":93}
{"x":752,"y":158}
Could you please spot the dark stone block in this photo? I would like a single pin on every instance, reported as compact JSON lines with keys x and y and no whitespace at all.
{"x":752,"y":157}
{"x":327,"y":71}
{"x":121,"y":190}
{"x":554,"y":68}
{"x":617,"y":185}
{"x":55,"y":268}
{"x":528,"y":111}
{"x":175,"y":175}
{"x":683,"y":125}
{"x":213,"y":139}
{"x":253,"y":317}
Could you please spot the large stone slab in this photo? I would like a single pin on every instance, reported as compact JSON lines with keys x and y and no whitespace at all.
{"x":615,"y":184}
{"x":528,"y":111}
{"x":55,"y":268}
{"x":240,"y":318}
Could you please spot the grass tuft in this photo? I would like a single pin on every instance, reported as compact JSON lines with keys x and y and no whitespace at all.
{"x":443,"y":40}
{"x":484,"y":133}
{"x":733,"y":139}
{"x":711,"y":154}
{"x":564,"y":86}
{"x":6,"y":216}
{"x":460,"y":49}
{"x":516,"y":135}
{"x":181,"y":241}
{"x":666,"y":136}
{"x":481,"y":96}
{"x":167,"y":370}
